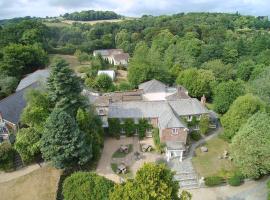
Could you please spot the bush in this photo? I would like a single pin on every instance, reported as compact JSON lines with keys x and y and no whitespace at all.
{"x":143,"y":125}
{"x":213,"y":181}
{"x":86,"y":185}
{"x":129,"y":127}
{"x":196,"y":136}
{"x":235,"y":180}
{"x":7,"y":154}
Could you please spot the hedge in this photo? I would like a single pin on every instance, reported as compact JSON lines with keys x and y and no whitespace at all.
{"x":7,"y":154}
{"x":195,"y":135}
{"x":235,"y":180}
{"x":213,"y":181}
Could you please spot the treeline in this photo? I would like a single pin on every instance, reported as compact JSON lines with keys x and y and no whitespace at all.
{"x":24,"y":45}
{"x":91,"y":15}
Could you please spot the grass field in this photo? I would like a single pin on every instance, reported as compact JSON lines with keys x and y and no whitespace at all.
{"x":208,"y":164}
{"x":38,"y":185}
{"x":72,"y":60}
{"x":93,"y":22}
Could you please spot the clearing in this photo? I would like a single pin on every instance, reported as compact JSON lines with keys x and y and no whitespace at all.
{"x":40,"y":184}
{"x":209,"y":163}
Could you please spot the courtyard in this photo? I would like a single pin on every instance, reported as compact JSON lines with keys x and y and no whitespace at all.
{"x":108,"y":159}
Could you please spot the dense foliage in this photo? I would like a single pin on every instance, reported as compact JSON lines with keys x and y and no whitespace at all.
{"x":240,"y":111}
{"x":28,"y":144}
{"x":87,"y":185}
{"x":91,"y":15}
{"x":151,"y":182}
{"x":213,"y":181}
{"x":63,"y":143}
{"x":250,"y":146}
{"x":6,"y":156}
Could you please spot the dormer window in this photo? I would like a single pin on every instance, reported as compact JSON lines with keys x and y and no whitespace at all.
{"x":174,"y":131}
{"x":101,"y":112}
{"x":189,"y":118}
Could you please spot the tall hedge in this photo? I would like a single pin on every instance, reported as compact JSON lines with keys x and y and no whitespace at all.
{"x":6,"y":156}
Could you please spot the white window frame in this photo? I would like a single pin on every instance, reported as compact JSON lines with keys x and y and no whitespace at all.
{"x":199,"y":117}
{"x":121,"y":121}
{"x":175,"y":131}
{"x":189,"y":118}
{"x":136,"y":121}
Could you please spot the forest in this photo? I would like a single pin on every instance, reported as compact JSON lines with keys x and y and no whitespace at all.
{"x":91,"y":15}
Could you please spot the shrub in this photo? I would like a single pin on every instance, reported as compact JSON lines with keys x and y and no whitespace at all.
{"x":129,"y":127}
{"x":196,"y":136}
{"x":6,"y":156}
{"x":204,"y":124}
{"x":86,"y":185}
{"x":213,"y":181}
{"x":114,"y":127}
{"x":235,"y":180}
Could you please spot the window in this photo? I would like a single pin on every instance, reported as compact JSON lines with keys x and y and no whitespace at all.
{"x":198,"y":117}
{"x":101,"y":112}
{"x":189,"y":118}
{"x":136,"y":121}
{"x":175,"y":131}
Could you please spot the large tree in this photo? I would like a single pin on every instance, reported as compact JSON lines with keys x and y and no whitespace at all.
{"x":241,"y":109}
{"x":250,"y":146}
{"x":198,"y":82}
{"x":87,"y":185}
{"x":64,"y":87}
{"x":225,"y":93}
{"x":152,"y":181}
{"x":63,"y":143}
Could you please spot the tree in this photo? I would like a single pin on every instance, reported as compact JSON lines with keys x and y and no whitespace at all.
{"x":81,"y":56}
{"x":103,"y":83}
{"x":28,"y":144}
{"x":91,"y":124}
{"x":151,"y":182}
{"x":250,"y":146}
{"x":185,"y":195}
{"x":86,"y":185}
{"x":37,"y":110}
{"x":129,"y":127}
{"x":204,"y":124}
{"x":198,"y":82}
{"x":64,"y":87}
{"x":261,"y":85}
{"x":225,"y":93}
{"x":114,"y":127}
{"x":7,"y":154}
{"x":221,"y":71}
{"x":63,"y":143}
{"x":244,"y":69}
{"x":8,"y":85}
{"x":240,"y":111}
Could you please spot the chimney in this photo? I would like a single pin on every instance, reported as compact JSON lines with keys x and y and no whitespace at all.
{"x":203,"y":100}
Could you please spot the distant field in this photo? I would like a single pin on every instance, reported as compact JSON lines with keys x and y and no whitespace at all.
{"x":38,"y":185}
{"x":56,"y":24}
{"x":93,"y":22}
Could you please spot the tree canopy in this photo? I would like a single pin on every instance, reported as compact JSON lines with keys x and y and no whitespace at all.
{"x":87,"y":185}
{"x":250,"y":146}
{"x":151,"y":182}
{"x":63,"y":143}
{"x":240,"y":111}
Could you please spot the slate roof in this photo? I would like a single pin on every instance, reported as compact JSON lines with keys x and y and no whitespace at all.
{"x":175,"y":145}
{"x":11,"y":107}
{"x":191,"y":106}
{"x":153,"y":86}
{"x":38,"y":75}
{"x":146,"y":109}
{"x":181,"y":93}
{"x":120,"y":57}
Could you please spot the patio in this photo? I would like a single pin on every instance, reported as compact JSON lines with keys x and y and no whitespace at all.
{"x":132,"y":160}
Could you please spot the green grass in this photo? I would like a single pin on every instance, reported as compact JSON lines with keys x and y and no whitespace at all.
{"x":119,"y":154}
{"x":127,"y":175}
{"x":209,"y":164}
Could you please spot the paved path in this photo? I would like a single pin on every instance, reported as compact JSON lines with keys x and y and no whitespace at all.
{"x":4,"y":177}
{"x":251,"y":190}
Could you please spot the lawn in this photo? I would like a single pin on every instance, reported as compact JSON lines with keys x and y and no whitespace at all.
{"x":40,"y":184}
{"x":119,"y":154}
{"x":207,"y":164}
{"x":71,"y":59}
